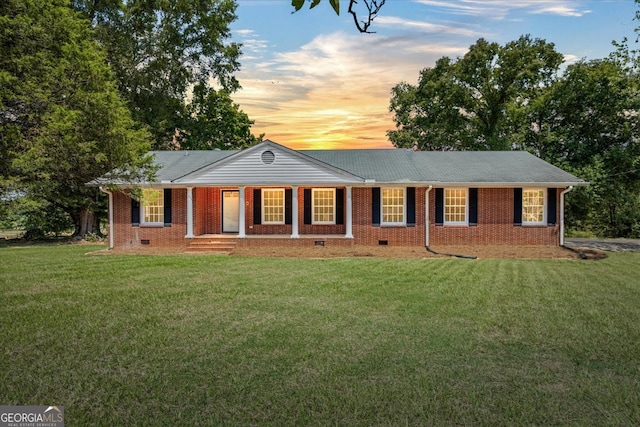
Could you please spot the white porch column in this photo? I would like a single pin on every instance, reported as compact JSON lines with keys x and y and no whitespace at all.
{"x":241,"y":224}
{"x":349,"y":220}
{"x":294,"y":214}
{"x":566,"y":190}
{"x":111,"y":230}
{"x":189,"y":213}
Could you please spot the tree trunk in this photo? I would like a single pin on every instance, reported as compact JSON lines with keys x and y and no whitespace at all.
{"x":86,"y":221}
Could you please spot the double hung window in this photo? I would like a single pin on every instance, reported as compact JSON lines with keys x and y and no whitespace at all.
{"x":273,"y":206}
{"x":393,"y":206}
{"x":152,"y":206}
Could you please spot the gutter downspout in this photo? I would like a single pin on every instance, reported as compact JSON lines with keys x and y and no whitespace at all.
{"x":562,"y":213}
{"x":110,"y":215}
{"x":426,"y":229}
{"x":426,"y":216}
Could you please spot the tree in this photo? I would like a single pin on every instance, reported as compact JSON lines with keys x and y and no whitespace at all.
{"x":465,"y":104}
{"x":372,"y":9}
{"x":160,"y":50}
{"x":591,"y":127}
{"x":62,"y":121}
{"x":215,"y":121}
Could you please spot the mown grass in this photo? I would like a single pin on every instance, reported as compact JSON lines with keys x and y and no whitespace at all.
{"x":218,"y":340}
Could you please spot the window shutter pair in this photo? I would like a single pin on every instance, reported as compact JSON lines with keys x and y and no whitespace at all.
{"x":257,"y":206}
{"x":551,"y":206}
{"x":308,"y":211}
{"x":135,"y":209}
{"x":473,"y":206}
{"x":376,"y":203}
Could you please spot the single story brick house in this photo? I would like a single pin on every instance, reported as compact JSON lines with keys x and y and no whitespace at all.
{"x":272,"y":195}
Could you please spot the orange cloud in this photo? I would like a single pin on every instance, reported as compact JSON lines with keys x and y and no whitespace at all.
{"x":333,"y":92}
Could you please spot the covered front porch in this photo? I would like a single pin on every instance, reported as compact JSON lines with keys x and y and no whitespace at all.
{"x":280,"y":212}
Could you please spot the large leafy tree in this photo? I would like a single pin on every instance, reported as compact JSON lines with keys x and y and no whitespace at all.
{"x":585,"y":120}
{"x":589,"y":124}
{"x":215,"y":121}
{"x":62,"y":121}
{"x":159,"y":51}
{"x":465,"y":104}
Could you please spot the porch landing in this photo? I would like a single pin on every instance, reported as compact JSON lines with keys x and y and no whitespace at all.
{"x":226,"y":243}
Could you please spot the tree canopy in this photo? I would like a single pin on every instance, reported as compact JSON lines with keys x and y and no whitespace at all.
{"x":584,"y":119}
{"x":88,"y":87}
{"x":62,"y":121}
{"x":159,"y":51}
{"x":464,"y":104}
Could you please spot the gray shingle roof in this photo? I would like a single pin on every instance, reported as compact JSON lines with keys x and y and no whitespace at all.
{"x":464,"y":167}
{"x":176,"y":164}
{"x":395,"y":166}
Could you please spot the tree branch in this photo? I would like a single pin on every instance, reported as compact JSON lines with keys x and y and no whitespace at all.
{"x":373,"y":7}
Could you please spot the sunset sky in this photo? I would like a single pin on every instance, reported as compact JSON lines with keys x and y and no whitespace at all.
{"x":310,"y":80}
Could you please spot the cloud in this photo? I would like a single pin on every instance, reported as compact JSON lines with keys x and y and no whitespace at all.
{"x":253,"y":46}
{"x":570,"y":59}
{"x":500,"y":9}
{"x":427,"y":27}
{"x":335,"y":90}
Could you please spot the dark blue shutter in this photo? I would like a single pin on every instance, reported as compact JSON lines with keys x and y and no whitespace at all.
{"x":339,"y":206}
{"x":375,"y":206}
{"x":135,"y":212}
{"x":473,"y":206}
{"x":167,"y":207}
{"x":257,"y":206}
{"x":411,"y":206}
{"x":288,"y":219}
{"x":307,"y":205}
{"x":517,"y":206}
{"x":551,"y":206}
{"x":439,"y":206}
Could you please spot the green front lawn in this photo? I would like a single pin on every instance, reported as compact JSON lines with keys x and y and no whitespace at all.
{"x":223,"y":340}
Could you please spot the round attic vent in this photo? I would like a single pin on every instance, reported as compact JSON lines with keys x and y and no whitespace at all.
{"x":268,"y":157}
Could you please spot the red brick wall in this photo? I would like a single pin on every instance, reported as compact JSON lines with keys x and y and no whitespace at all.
{"x":207,"y":210}
{"x":262,"y":229}
{"x":127,"y":236}
{"x":495,"y":223}
{"x":365,"y":234}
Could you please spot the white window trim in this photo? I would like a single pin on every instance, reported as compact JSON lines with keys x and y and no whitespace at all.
{"x":544,"y":206}
{"x":466,"y":208}
{"x":313,"y":207}
{"x":142,"y":206}
{"x":404,"y":207}
{"x":284,"y":214}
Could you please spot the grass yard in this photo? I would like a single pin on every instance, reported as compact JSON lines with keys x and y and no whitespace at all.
{"x":124,"y":340}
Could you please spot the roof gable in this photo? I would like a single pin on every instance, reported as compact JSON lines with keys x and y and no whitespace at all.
{"x":268,"y":163}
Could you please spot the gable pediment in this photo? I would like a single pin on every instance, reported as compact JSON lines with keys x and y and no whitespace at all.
{"x":269,"y":163}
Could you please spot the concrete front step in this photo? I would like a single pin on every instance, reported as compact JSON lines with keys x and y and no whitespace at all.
{"x":213,"y":245}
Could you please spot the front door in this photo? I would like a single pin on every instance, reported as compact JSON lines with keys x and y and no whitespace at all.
{"x":230,"y":211}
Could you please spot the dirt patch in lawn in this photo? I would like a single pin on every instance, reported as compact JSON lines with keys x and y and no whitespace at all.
{"x":479,"y":252}
{"x":521,"y":252}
